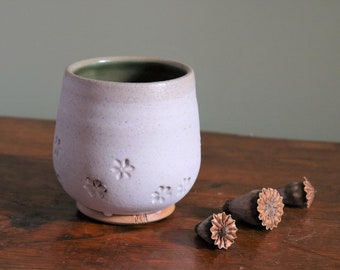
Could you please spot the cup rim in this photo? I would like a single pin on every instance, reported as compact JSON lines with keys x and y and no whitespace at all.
{"x":72,"y":68}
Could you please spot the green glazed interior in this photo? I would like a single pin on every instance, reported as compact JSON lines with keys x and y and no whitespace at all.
{"x":131,"y":71}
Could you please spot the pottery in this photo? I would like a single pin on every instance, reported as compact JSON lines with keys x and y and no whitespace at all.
{"x":127,"y":137}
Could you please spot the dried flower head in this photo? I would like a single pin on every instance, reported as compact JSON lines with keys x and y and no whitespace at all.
{"x":223,"y":230}
{"x":310,"y":191}
{"x":270,"y":207}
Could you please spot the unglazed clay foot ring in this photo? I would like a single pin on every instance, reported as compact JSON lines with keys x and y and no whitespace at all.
{"x":129,"y":219}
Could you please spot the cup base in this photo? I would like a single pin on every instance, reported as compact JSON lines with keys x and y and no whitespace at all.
{"x":126,"y":219}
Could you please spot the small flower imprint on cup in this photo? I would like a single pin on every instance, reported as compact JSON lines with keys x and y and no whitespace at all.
{"x":122,"y":169}
{"x":161,"y":194}
{"x":95,"y":188}
{"x":184,"y":186}
{"x":57,"y":146}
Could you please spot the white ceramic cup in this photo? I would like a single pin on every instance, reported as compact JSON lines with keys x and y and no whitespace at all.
{"x":127,"y":137}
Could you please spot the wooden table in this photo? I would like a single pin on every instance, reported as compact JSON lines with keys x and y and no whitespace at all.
{"x":40,"y":227}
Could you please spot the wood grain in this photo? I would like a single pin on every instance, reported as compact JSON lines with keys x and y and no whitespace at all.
{"x":40,"y":227}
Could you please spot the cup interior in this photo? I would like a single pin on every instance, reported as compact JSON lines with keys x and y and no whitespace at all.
{"x":132,"y":71}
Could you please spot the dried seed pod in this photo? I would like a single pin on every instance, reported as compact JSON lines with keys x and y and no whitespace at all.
{"x":298,"y":194}
{"x":270,"y":208}
{"x":257,"y":207}
{"x":244,"y":207}
{"x":218,"y":229}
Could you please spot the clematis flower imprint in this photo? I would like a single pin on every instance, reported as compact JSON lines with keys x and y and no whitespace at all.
{"x":184,"y":186}
{"x":57,"y":146}
{"x":161,"y":194}
{"x":122,"y":169}
{"x":95,"y":188}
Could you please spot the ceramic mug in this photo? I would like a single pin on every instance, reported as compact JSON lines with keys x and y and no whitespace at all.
{"x":127,"y":137}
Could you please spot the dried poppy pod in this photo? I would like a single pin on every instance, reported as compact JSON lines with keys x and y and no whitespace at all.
{"x":298,"y":194}
{"x":257,"y":207}
{"x":218,"y":229}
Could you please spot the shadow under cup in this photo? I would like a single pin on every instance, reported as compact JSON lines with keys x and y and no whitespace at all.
{"x":127,"y":137}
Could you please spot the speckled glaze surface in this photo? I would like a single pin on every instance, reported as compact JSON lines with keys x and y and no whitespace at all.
{"x":129,"y":146}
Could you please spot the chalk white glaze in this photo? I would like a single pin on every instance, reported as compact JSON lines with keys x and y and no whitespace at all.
{"x":129,"y":146}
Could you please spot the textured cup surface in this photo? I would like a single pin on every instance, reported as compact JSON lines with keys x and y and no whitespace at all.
{"x":127,"y":136}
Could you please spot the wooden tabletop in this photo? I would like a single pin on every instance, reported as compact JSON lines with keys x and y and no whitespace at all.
{"x":40,"y":227}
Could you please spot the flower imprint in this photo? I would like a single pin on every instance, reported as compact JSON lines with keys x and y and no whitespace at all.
{"x":184,"y":186}
{"x":57,"y":146}
{"x":122,"y":169}
{"x":95,"y":188}
{"x":160,"y":195}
